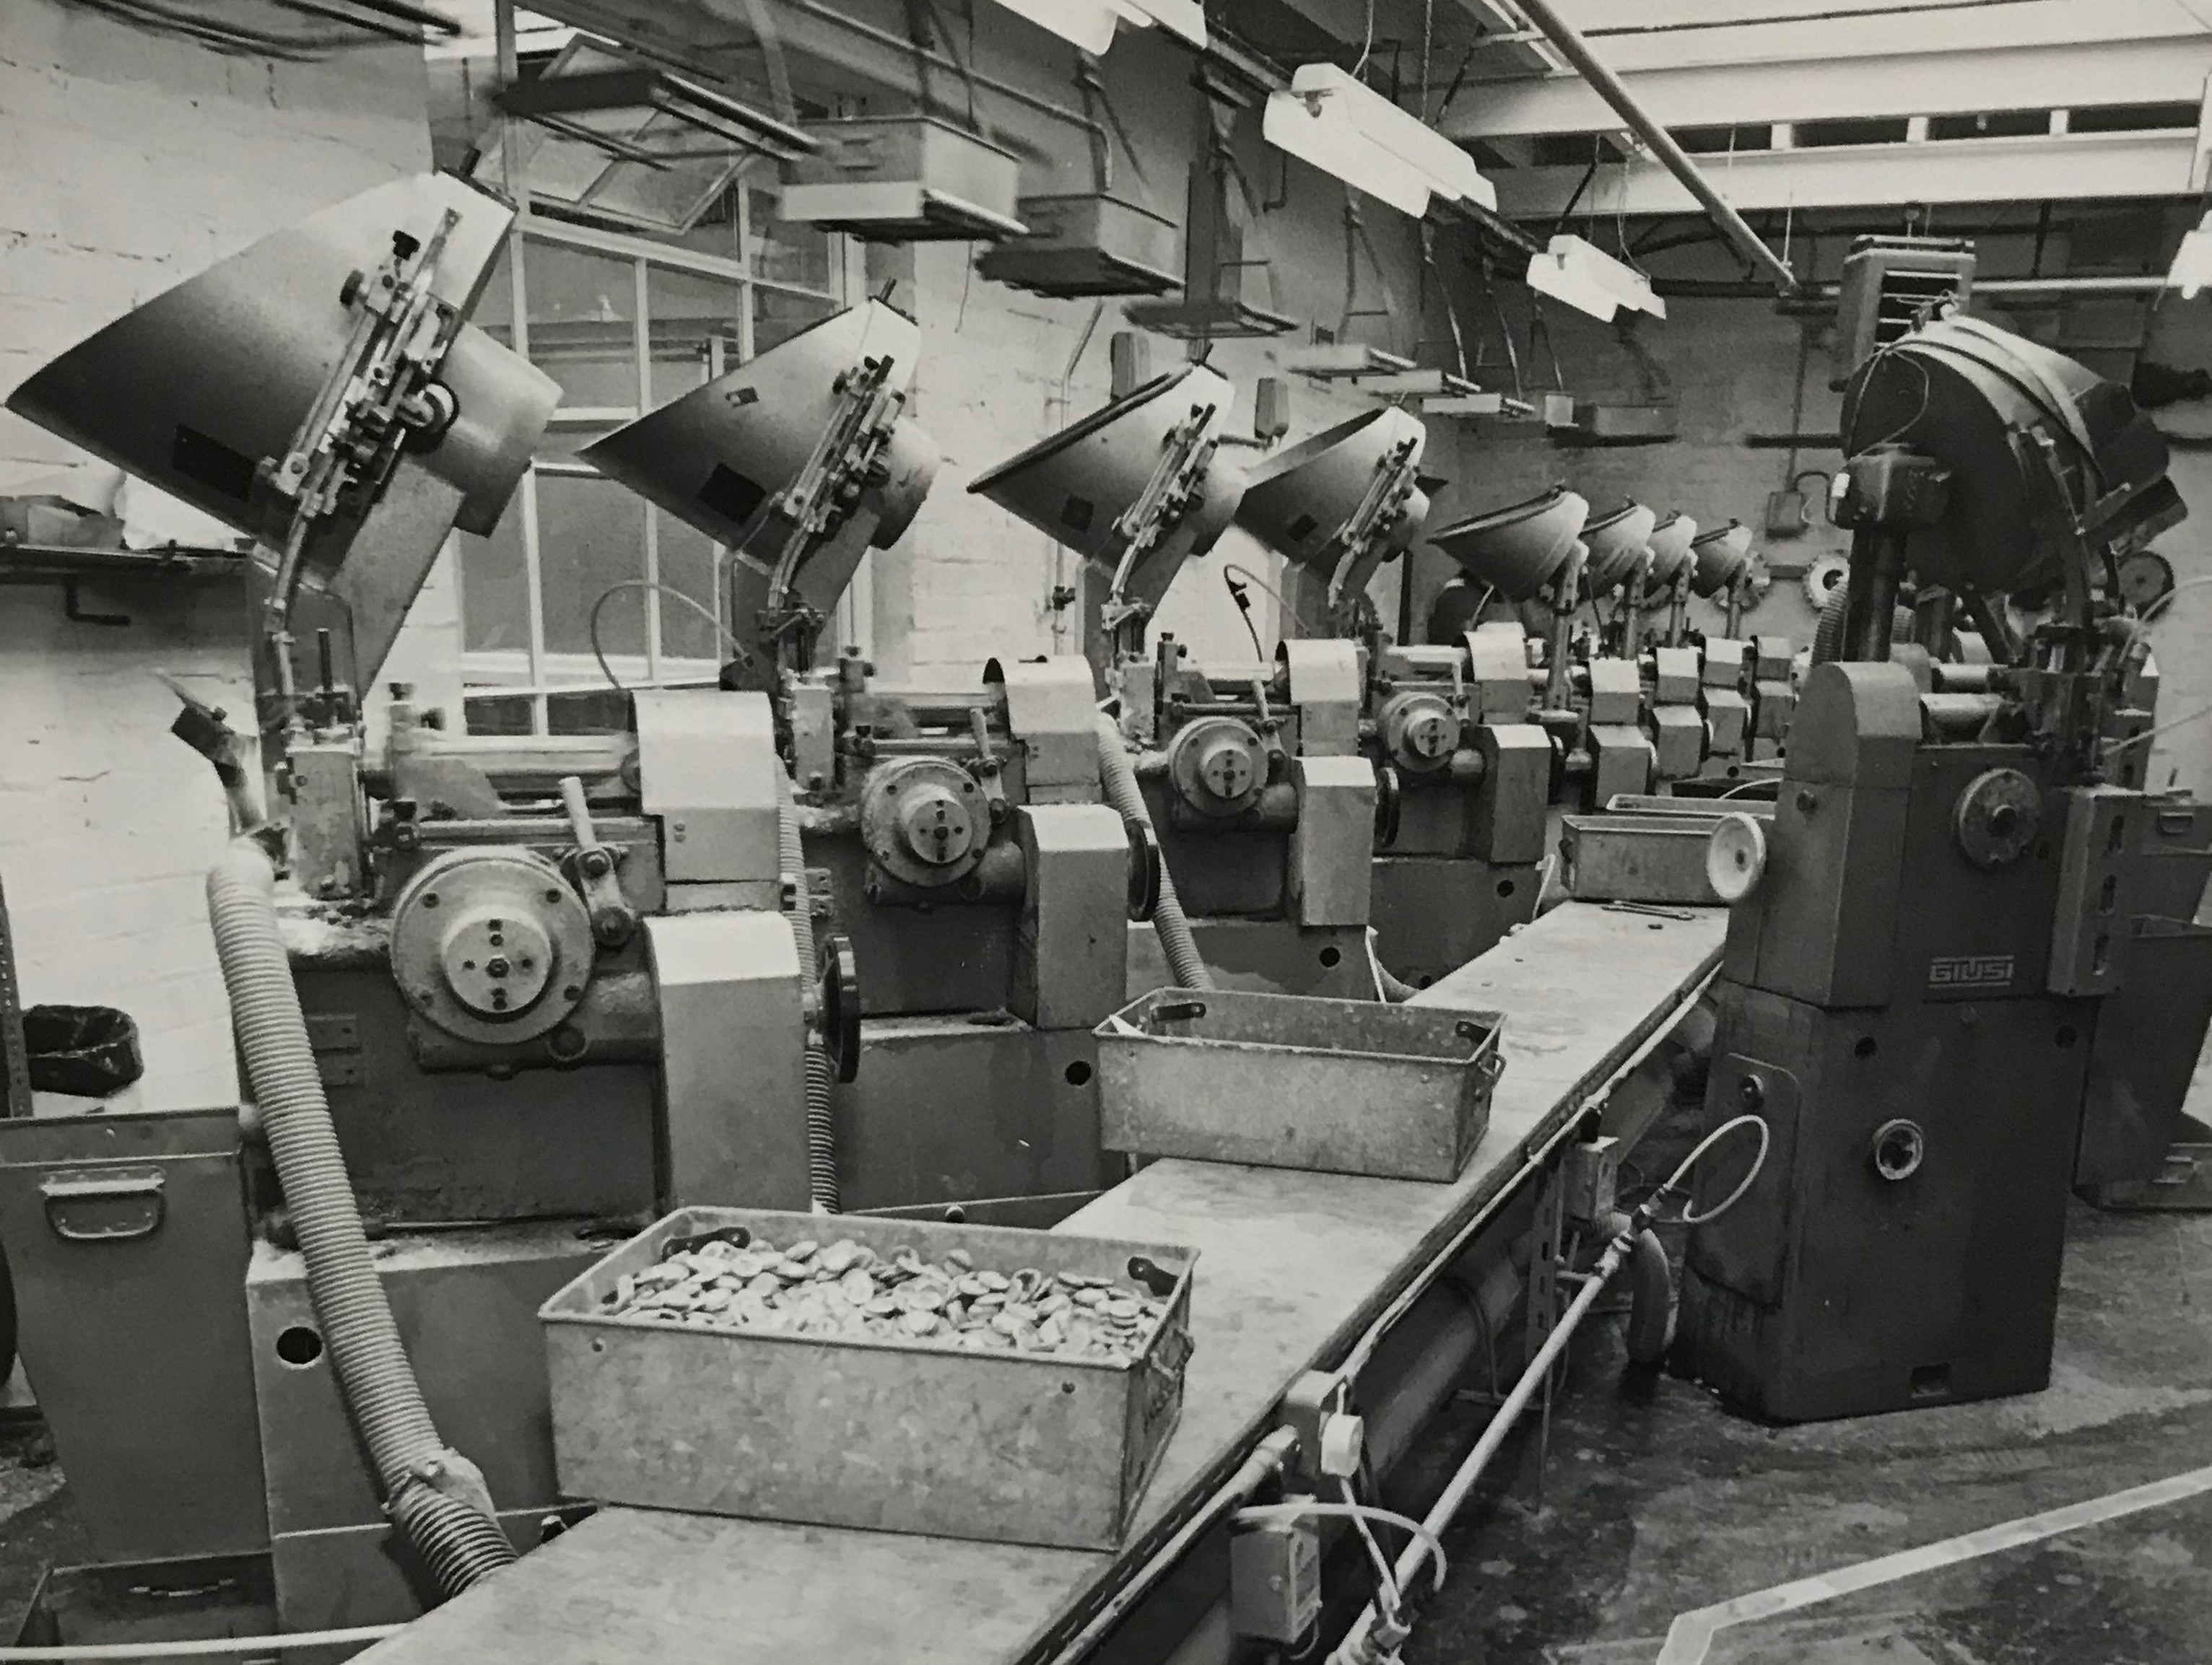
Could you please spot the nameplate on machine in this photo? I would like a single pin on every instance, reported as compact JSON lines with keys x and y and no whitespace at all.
{"x":1948,"y":972}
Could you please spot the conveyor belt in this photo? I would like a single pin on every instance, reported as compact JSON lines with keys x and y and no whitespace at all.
{"x":1292,"y":1267}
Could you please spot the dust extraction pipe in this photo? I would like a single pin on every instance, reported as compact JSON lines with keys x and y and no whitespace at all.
{"x":1610,"y":87}
{"x":1118,"y":776}
{"x":435,"y":1494}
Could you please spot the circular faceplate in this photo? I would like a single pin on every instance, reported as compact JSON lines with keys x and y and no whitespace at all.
{"x":925,"y":820}
{"x":1420,"y":730}
{"x":1897,"y":1149}
{"x":1219,"y":766}
{"x":491,"y":945}
{"x":1735,"y":856}
{"x":1997,"y":818}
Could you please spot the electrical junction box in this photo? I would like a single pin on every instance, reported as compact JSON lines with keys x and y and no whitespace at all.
{"x":1274,"y":1580}
{"x":1593,"y":1177}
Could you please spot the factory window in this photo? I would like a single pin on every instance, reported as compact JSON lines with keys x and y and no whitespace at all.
{"x":623,"y":324}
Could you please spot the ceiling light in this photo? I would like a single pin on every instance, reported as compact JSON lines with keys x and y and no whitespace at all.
{"x":1185,"y":18}
{"x":1088,"y":25}
{"x":1587,"y":278}
{"x":2192,"y":262}
{"x":1551,"y":276}
{"x":1345,"y":129}
{"x":1318,"y":134}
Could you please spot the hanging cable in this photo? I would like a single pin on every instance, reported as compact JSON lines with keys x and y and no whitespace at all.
{"x":1230,"y":568}
{"x":738,"y":650}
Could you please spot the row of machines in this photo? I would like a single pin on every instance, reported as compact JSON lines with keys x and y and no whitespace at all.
{"x":806,"y":938}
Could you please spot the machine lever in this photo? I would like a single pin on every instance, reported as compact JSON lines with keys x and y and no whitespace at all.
{"x":592,"y":868}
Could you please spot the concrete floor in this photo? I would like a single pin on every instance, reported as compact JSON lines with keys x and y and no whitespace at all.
{"x":1656,"y":1500}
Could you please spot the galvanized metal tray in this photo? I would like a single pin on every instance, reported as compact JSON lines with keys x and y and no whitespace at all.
{"x":1292,"y":1081}
{"x":1639,"y":857}
{"x":905,"y":1436}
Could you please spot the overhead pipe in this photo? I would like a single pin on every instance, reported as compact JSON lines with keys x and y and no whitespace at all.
{"x":1614,"y":91}
{"x":1722,"y":288}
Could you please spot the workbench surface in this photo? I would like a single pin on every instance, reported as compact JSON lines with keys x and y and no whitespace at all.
{"x":1292,"y":1267}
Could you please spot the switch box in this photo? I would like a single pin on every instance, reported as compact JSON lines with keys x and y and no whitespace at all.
{"x":1274,"y":1580}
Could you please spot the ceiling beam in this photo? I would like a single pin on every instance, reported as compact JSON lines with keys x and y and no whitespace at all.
{"x":1809,"y":71}
{"x":2058,"y":167}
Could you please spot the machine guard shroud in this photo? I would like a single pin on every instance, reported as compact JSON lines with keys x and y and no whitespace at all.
{"x":1960,"y":392}
{"x":194,"y":390}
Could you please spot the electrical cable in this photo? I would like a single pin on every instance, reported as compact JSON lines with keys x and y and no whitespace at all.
{"x":1745,"y":786}
{"x":1244,"y":612}
{"x":1387,"y":1595}
{"x":2158,"y":604}
{"x":2202,"y":712}
{"x":592,"y":627}
{"x":1646,"y":1212}
{"x":1260,"y":584}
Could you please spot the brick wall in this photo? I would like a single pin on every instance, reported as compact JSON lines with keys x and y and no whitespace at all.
{"x":129,"y":161}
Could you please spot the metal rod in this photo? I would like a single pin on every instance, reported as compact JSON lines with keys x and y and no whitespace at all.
{"x":1706,"y":289}
{"x":1354,"y":1647}
{"x":1614,"y":91}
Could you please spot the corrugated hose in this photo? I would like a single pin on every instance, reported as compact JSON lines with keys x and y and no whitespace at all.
{"x":436,"y":1495}
{"x":1119,"y":778}
{"x":821,"y":1123}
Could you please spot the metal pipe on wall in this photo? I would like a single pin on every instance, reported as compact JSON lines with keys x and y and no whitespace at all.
{"x":1614,"y":91}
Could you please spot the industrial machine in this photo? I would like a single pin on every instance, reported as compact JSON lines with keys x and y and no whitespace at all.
{"x":1748,"y":696}
{"x":1254,"y":783}
{"x":958,"y":835}
{"x":1967,"y":976}
{"x":523,"y":994}
{"x":1545,"y":557}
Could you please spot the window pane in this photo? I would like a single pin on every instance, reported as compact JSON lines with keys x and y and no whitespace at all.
{"x":786,"y":250}
{"x":687,"y":562}
{"x":495,"y":587}
{"x":778,"y":317}
{"x":583,"y":323}
{"x":591,"y":534}
{"x":690,"y":313}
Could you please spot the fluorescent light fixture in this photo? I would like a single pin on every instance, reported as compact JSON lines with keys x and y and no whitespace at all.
{"x":1590,"y":279}
{"x":2192,"y":262}
{"x":1345,"y":129}
{"x":1185,"y":18}
{"x":1549,"y":275}
{"x":1319,"y":134}
{"x":1088,"y":25}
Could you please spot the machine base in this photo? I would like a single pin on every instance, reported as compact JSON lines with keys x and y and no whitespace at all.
{"x":1834,"y":1290}
{"x":953,"y":1109}
{"x":466,"y":1304}
{"x":1434,"y":913}
{"x":1269,"y":956}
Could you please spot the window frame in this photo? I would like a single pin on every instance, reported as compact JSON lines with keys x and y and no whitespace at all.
{"x":541,"y":672}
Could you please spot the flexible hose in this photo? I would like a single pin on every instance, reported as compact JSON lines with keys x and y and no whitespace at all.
{"x":435,"y":1494}
{"x":1651,"y":1292}
{"x":821,"y":1123}
{"x":1119,"y":778}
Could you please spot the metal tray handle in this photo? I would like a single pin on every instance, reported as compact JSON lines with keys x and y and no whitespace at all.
{"x":103,"y":1205}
